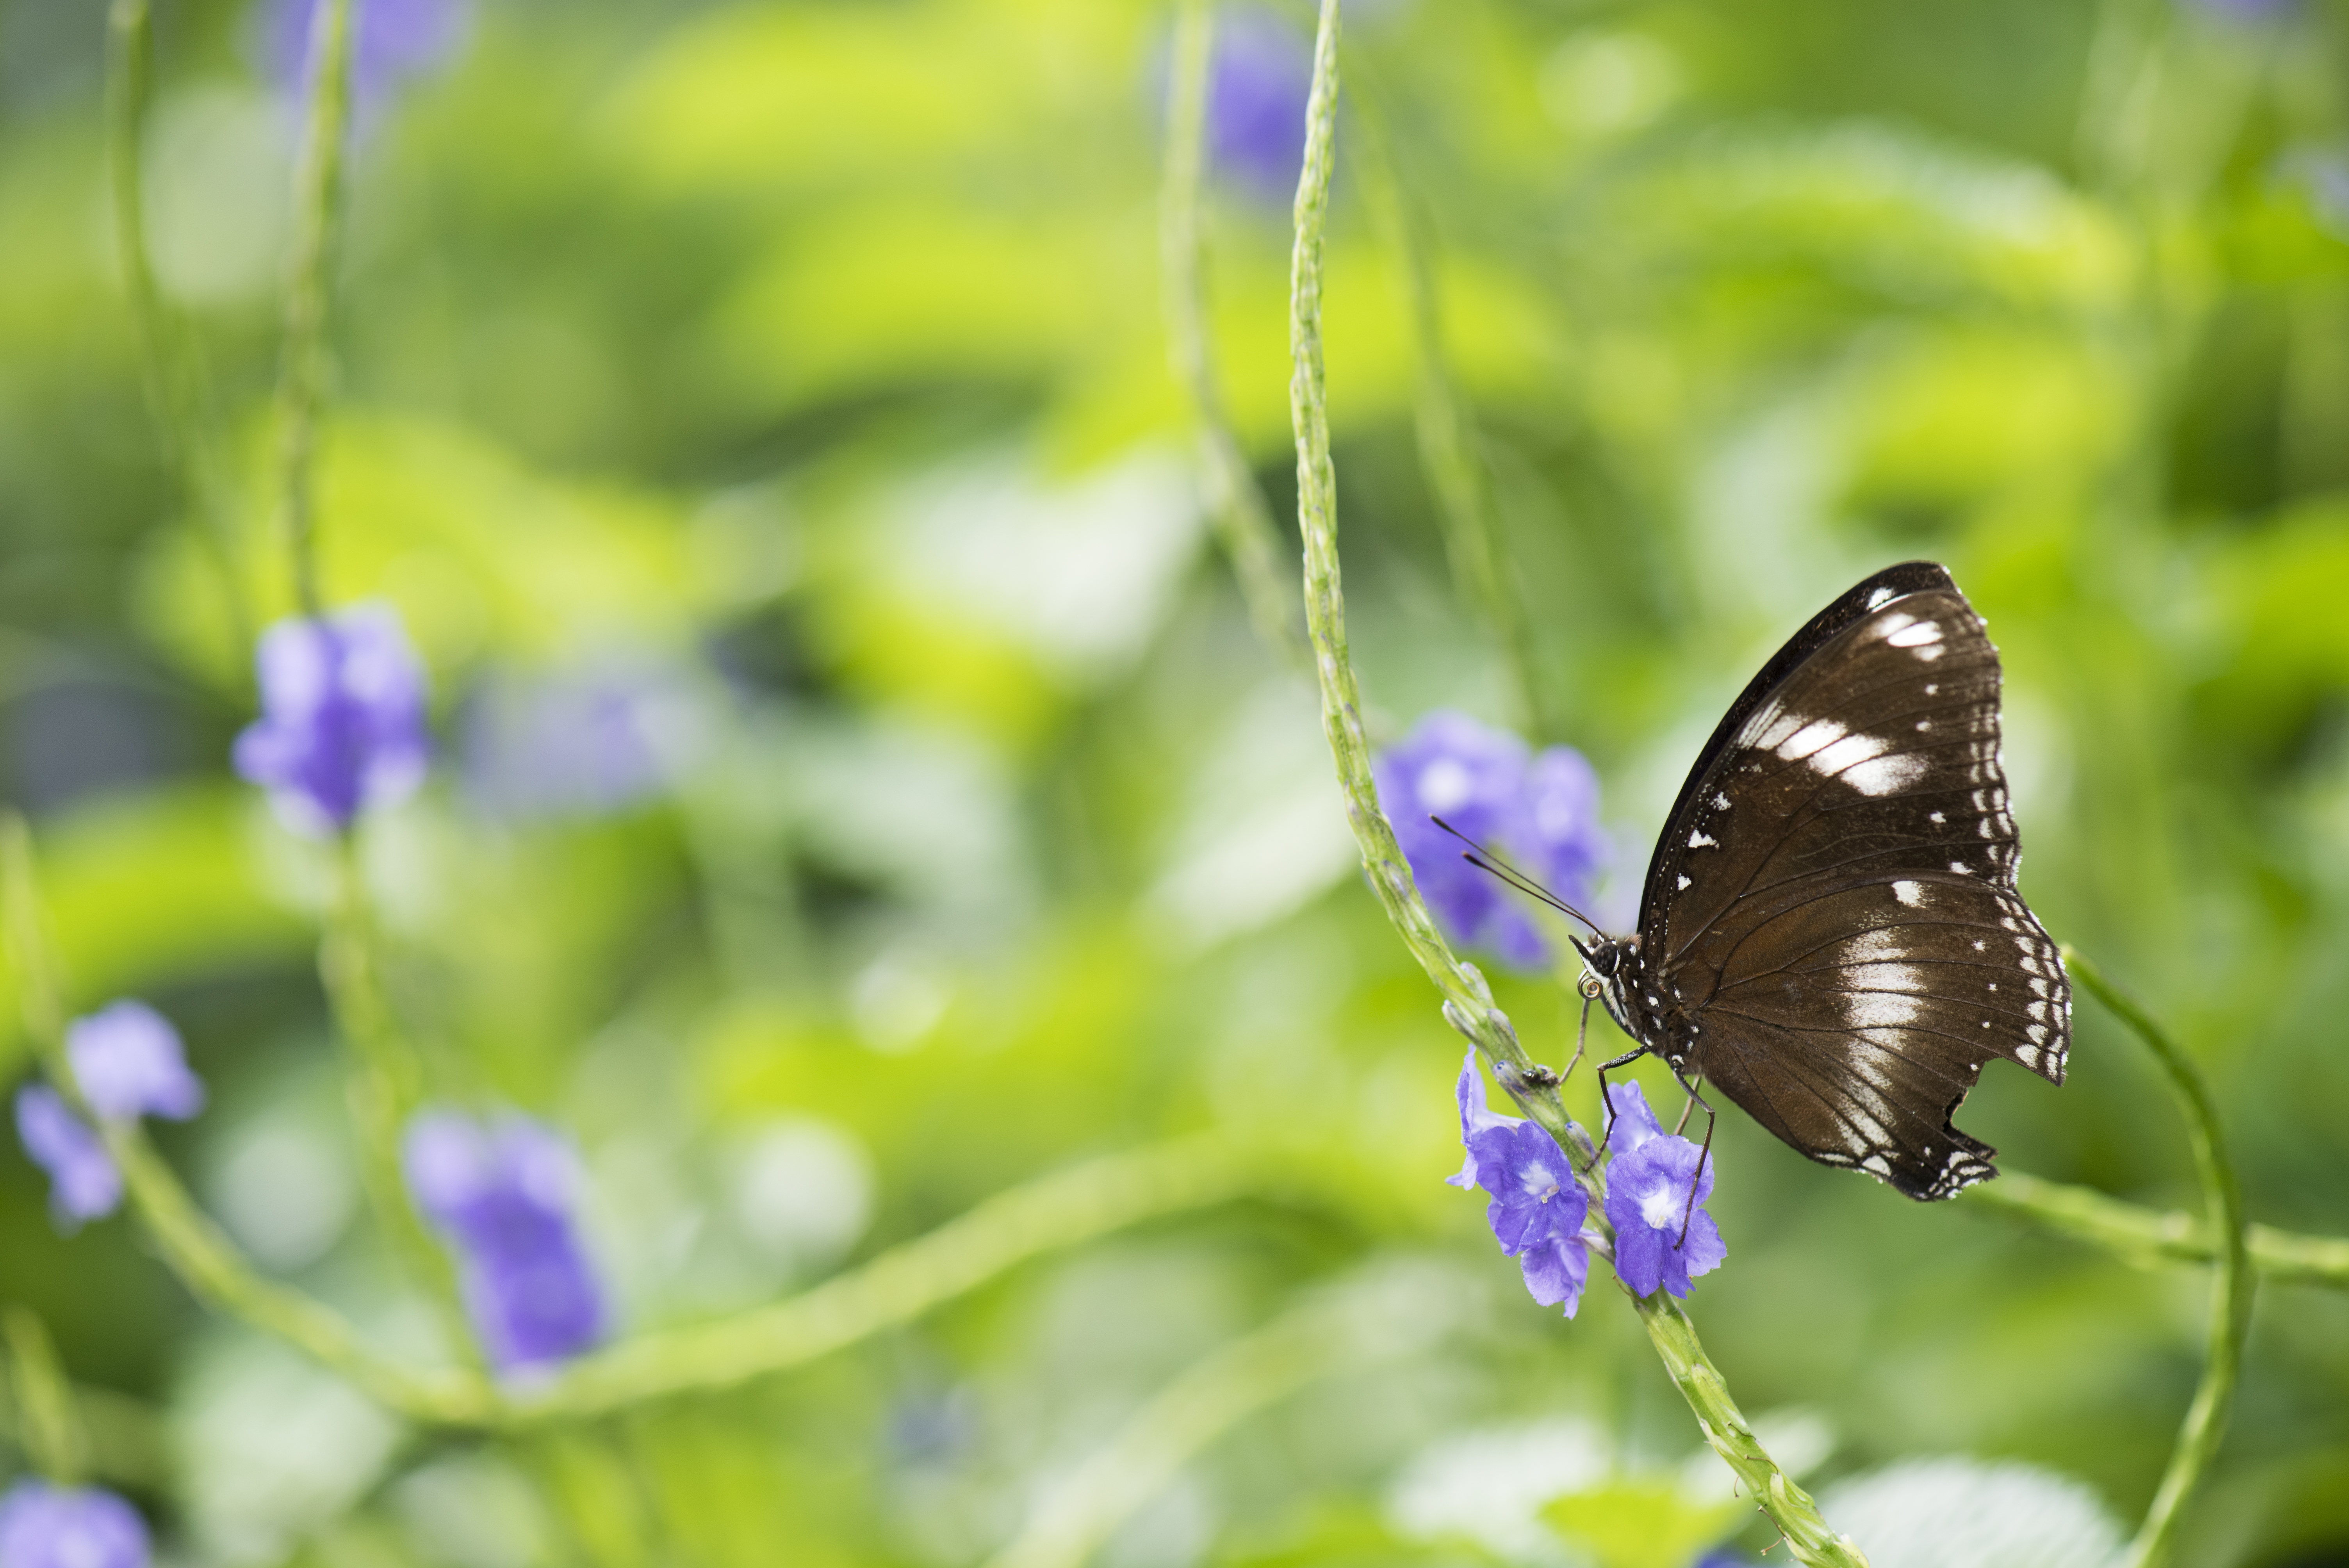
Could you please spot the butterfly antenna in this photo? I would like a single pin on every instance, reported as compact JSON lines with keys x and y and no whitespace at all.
{"x":1487,"y":859}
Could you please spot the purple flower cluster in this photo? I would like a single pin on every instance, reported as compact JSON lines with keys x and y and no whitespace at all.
{"x":1541,"y":812}
{"x":83,"y":1182}
{"x":582,"y":742}
{"x":46,"y":1526}
{"x":128,"y":1062}
{"x":503,"y":1194}
{"x":342,"y":719}
{"x":397,"y":40}
{"x":1647,"y":1200}
{"x":1257,"y":91}
{"x":1537,"y":1210}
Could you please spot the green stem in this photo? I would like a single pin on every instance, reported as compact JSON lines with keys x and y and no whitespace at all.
{"x":2152,"y":1237}
{"x":206,"y":1261}
{"x":1448,"y":439}
{"x":317,"y":217}
{"x":1468,"y":1003}
{"x":1789,"y":1507}
{"x":173,"y":378}
{"x":1236,"y":503}
{"x":1061,"y":1211}
{"x":383,"y":1082}
{"x":48,"y":1420}
{"x":2205,"y":1426}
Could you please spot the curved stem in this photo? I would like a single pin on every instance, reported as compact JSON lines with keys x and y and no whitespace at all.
{"x":175,"y":384}
{"x":383,"y":1079}
{"x":48,"y":1419}
{"x":1468,"y":1000}
{"x":1329,"y":1333}
{"x":1448,"y":439}
{"x":1063,"y":1209}
{"x":1468,"y":1003}
{"x":205,"y":1260}
{"x":2199,"y":1434}
{"x":1242,"y":518}
{"x":317,"y":217}
{"x":2151,"y":1237}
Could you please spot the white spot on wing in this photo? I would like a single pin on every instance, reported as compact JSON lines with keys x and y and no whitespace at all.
{"x":1813,"y":740}
{"x":1885,"y":774}
{"x":1912,"y":894}
{"x":1697,"y":840}
{"x":1883,"y":1010}
{"x":1917,"y":635}
{"x":1878,"y":597}
{"x":1684,"y":884}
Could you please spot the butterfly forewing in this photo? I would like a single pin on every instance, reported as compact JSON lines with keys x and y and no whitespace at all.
{"x":1833,"y":907}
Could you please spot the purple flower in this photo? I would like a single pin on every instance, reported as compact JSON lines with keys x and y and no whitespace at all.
{"x":503,"y":1194}
{"x":1542,"y":812}
{"x":1648,"y":1182}
{"x":2246,"y":10}
{"x":397,"y":40}
{"x":342,"y":719}
{"x":128,"y":1061}
{"x":1257,"y":91}
{"x":573,"y":743}
{"x":46,"y":1526}
{"x":83,"y":1182}
{"x":1537,"y":1211}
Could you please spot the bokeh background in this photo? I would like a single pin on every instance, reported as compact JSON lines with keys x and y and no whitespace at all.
{"x":859,"y":789}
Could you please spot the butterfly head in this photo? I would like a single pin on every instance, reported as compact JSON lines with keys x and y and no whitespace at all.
{"x":1613,"y":972}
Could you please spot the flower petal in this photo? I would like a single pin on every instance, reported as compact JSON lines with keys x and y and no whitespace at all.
{"x":1633,"y":1122}
{"x":1557,"y":1271}
{"x":129,"y":1062}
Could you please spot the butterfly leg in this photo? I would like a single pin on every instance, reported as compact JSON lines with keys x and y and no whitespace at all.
{"x":1694,"y":1099}
{"x":1607,"y":1107}
{"x":1581,"y":1033}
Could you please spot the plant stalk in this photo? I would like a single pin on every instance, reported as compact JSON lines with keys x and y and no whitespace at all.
{"x":2205,"y":1426}
{"x":1467,"y":1001}
{"x":310,"y":291}
{"x":1241,"y":516}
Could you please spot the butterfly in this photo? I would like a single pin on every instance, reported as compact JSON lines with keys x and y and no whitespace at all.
{"x":1830,"y":932}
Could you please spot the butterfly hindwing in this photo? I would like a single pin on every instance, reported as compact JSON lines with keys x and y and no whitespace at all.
{"x":1833,"y":907}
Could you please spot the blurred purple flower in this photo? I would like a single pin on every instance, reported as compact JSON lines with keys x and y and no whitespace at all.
{"x":581,"y":742}
{"x":1540,"y":812}
{"x":504,"y":1195}
{"x":397,"y":41}
{"x":1537,"y":1211}
{"x":129,"y":1063}
{"x":2323,"y":172}
{"x":46,"y":1526}
{"x":342,"y":719}
{"x":2252,"y":11}
{"x":1257,"y":89}
{"x":83,"y":1182}
{"x":1648,"y":1179}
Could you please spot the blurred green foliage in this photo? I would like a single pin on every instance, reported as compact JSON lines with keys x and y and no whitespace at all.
{"x":798,"y":367}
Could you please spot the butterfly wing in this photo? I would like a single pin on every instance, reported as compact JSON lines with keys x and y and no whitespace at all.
{"x":1832,"y":906}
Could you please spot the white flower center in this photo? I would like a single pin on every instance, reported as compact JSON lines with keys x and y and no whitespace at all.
{"x":1446,"y":785}
{"x":1539,"y":1182}
{"x":1663,"y":1208}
